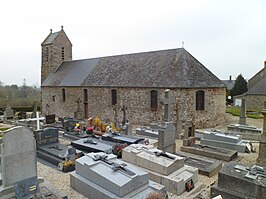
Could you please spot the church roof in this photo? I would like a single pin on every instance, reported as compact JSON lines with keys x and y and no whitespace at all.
{"x":174,"y":68}
{"x":258,"y":89}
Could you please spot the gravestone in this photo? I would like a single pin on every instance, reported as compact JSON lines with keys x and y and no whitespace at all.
{"x":19,"y":167}
{"x":9,"y":113}
{"x":69,"y":123}
{"x":78,"y":114}
{"x":50,"y":119}
{"x":22,"y":115}
{"x":261,"y":160}
{"x":124,"y":121}
{"x":189,"y":134}
{"x":167,"y":134}
{"x":218,"y":139}
{"x":49,"y":148}
{"x":242,"y":117}
{"x":165,"y":168}
{"x":240,"y":182}
{"x":99,"y":175}
{"x":18,"y":160}
{"x":35,"y":109}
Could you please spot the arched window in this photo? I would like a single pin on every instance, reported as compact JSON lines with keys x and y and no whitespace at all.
{"x":85,"y":94}
{"x":114,"y":97}
{"x":200,"y":101}
{"x":154,"y":99}
{"x":63,"y":95}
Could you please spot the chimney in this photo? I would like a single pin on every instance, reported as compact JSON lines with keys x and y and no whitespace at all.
{"x":264,"y":64}
{"x":230,"y":78}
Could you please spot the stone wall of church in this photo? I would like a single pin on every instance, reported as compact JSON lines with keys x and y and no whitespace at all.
{"x":255,"y":102}
{"x":138,"y":103}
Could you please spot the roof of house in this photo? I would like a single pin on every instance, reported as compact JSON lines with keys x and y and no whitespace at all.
{"x":258,"y":89}
{"x":174,"y":68}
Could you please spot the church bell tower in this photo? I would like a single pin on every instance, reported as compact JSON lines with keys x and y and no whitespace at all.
{"x":56,"y":48}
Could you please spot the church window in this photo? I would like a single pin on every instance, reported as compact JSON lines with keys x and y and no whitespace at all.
{"x":63,"y":95}
{"x":114,"y":97}
{"x":53,"y":98}
{"x":200,"y":101}
{"x":47,"y":54}
{"x":154,"y":99}
{"x":85,"y":93}
{"x":63,"y":53}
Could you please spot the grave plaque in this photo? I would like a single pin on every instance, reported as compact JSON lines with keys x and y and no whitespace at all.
{"x":50,"y":119}
{"x":27,"y":187}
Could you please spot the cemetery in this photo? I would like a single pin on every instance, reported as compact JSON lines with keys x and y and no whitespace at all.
{"x":174,"y":166}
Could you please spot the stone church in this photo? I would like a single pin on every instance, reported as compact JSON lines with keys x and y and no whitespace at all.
{"x":99,"y":86}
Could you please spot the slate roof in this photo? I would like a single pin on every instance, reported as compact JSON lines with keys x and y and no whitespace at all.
{"x":174,"y":68}
{"x":258,"y":89}
{"x":50,"y":38}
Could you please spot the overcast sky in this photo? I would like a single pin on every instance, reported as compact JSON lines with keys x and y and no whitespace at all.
{"x":226,"y":36}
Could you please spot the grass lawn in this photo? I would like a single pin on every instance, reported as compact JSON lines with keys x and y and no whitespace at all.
{"x":235,"y":111}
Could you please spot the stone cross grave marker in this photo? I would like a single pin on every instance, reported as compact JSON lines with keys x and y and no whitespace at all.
{"x":168,"y":101}
{"x":242,"y":117}
{"x":262,"y":148}
{"x":78,"y":113}
{"x":115,"y":116}
{"x":124,"y":121}
{"x":19,"y":164}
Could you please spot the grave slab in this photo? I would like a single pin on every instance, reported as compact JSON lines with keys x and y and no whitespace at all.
{"x":93,"y":145}
{"x":206,"y":166}
{"x":240,"y":181}
{"x":210,"y":152}
{"x":164,"y":168}
{"x":245,"y":131}
{"x":120,"y":138}
{"x":218,"y":139}
{"x":147,"y":131}
{"x":103,"y":176}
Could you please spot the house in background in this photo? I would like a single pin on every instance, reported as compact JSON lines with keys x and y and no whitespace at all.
{"x":97,"y":86}
{"x":256,"y":94}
